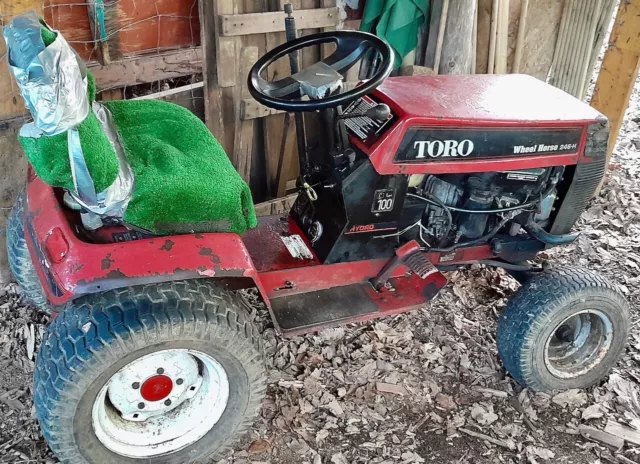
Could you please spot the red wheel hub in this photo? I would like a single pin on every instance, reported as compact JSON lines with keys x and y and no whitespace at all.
{"x":156,"y":388}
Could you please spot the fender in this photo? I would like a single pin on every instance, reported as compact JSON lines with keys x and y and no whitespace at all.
{"x":69,"y":267}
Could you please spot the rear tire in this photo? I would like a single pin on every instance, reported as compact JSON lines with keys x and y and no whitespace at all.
{"x":564,"y":328}
{"x":20,"y":260}
{"x":95,"y":340}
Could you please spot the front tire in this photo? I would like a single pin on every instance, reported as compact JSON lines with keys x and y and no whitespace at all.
{"x":565,"y":328}
{"x":169,"y":373}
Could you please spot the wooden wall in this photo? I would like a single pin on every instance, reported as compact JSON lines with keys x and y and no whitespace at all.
{"x":543,"y":23}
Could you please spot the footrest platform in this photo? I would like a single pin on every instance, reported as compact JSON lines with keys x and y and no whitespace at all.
{"x":314,"y":311}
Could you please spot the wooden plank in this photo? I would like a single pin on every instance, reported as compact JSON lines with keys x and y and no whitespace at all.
{"x":11,"y":103}
{"x":104,"y":24}
{"x":228,"y":48}
{"x":251,"y":109}
{"x":543,"y":24}
{"x":147,"y":69}
{"x":274,"y":124}
{"x":623,"y":432}
{"x":286,"y":157}
{"x":243,"y":146}
{"x":264,"y":23}
{"x":493,"y":36}
{"x":522,"y":27}
{"x":328,"y":48}
{"x":189,"y":96}
{"x":502,"y":37}
{"x":260,"y":176}
{"x":605,"y":438}
{"x":619,"y":69}
{"x":13,"y":164}
{"x":436,"y":33}
{"x":216,"y":99}
{"x":457,"y":44}
{"x":415,"y":70}
{"x":277,"y":206}
{"x":13,"y":174}
{"x":110,"y":95}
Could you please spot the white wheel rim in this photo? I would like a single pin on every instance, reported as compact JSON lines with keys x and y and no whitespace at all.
{"x":131,"y":425}
{"x":589,"y":339}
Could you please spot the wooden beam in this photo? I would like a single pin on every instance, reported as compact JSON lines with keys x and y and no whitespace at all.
{"x":243,"y":145}
{"x":619,"y":69}
{"x":264,"y":23}
{"x":415,"y":70}
{"x":437,"y":25}
{"x":104,"y":24}
{"x":493,"y":36}
{"x":277,"y":206}
{"x":189,"y":96}
{"x":502,"y":38}
{"x":228,"y":48}
{"x":147,"y":69}
{"x":327,"y":48}
{"x":217,"y":101}
{"x":457,"y":44}
{"x":522,"y":29}
{"x":623,"y":431}
{"x":11,"y":103}
{"x":251,"y":109}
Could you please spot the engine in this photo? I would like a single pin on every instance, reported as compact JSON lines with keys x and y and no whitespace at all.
{"x":465,"y":208}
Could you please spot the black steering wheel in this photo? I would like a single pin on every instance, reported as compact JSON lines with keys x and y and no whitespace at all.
{"x":321,"y":80}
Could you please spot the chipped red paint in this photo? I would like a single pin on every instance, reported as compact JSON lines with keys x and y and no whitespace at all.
{"x":81,"y":267}
{"x":89,"y":267}
{"x":489,"y":101}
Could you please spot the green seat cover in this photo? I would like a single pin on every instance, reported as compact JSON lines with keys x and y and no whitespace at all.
{"x":184,"y":181}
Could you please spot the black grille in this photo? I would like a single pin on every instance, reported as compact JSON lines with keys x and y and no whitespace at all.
{"x":586,"y":179}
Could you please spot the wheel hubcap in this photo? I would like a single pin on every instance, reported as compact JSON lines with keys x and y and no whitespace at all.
{"x":160,"y":403}
{"x":156,"y":388}
{"x":578,"y":344}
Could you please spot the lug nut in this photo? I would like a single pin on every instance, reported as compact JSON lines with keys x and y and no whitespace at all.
{"x":140,"y":405}
{"x":167,"y":403}
{"x":135,"y":385}
{"x":179,"y":381}
{"x":160,"y":371}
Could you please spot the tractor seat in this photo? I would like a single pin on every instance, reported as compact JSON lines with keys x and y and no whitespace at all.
{"x":183,"y":180}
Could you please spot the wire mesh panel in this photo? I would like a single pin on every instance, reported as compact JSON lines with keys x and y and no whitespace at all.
{"x":108,"y":31}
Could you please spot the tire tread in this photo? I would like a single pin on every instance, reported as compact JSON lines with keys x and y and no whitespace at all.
{"x":122,"y":321}
{"x":538,"y":299}
{"x":20,"y":262}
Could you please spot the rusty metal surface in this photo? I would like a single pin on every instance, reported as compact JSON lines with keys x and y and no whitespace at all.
{"x":267,"y":249}
{"x":89,"y":268}
{"x":314,"y":311}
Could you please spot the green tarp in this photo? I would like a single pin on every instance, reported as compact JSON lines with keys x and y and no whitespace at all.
{"x":396,"y":21}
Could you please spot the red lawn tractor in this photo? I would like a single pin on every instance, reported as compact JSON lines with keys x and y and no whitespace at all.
{"x":152,"y":356}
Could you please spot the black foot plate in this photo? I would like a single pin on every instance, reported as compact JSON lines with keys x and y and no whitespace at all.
{"x":315,"y":309}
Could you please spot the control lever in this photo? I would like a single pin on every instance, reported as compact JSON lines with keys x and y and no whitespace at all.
{"x":379,"y":112}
